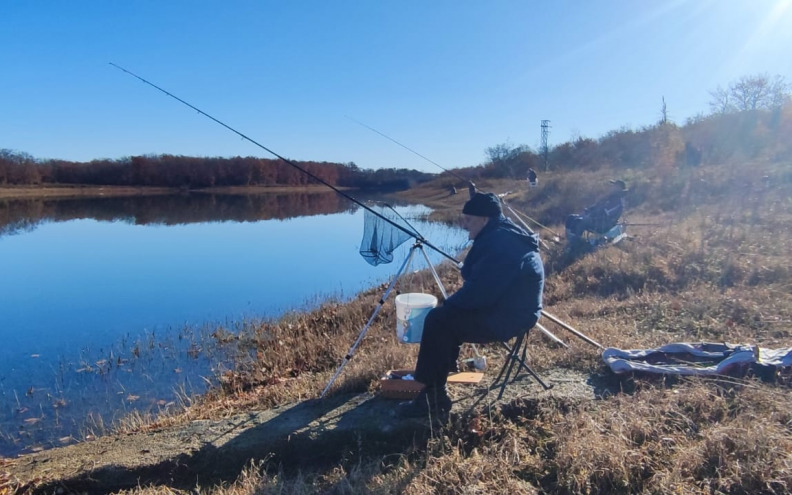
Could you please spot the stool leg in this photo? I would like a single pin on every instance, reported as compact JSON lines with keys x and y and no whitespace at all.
{"x":512,"y":357}
{"x":508,"y":357}
{"x":508,"y":366}
{"x":529,"y":370}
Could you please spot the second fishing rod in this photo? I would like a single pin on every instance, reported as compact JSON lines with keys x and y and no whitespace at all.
{"x":318,"y":179}
{"x":471,"y":186}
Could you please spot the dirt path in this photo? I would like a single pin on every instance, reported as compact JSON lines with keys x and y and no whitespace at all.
{"x":301,"y":434}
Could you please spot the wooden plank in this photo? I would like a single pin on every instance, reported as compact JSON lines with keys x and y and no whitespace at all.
{"x":465,"y":377}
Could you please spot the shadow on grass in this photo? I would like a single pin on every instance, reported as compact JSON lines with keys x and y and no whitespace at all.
{"x":302,"y":437}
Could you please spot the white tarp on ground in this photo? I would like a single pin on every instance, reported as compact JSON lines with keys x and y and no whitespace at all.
{"x":696,"y":359}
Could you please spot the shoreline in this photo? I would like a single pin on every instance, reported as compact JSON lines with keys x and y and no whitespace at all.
{"x":76,"y":194}
{"x":90,"y":191}
{"x":634,"y":296}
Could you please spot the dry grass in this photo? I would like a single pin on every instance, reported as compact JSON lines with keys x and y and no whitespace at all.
{"x":714,"y":266}
{"x":696,"y":436}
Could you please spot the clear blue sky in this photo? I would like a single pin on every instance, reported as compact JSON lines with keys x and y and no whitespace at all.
{"x":447,"y":78}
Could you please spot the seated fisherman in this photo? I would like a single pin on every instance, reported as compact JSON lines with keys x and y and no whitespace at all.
{"x":501,"y":296}
{"x":601,"y":216}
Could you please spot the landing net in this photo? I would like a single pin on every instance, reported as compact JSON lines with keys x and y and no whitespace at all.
{"x":380,"y":237}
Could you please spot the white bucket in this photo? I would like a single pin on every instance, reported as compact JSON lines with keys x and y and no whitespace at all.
{"x":411,"y":309}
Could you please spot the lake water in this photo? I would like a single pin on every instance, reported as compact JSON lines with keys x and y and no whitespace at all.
{"x":107,"y":304}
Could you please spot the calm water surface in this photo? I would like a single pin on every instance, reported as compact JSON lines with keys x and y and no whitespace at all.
{"x":107,"y":305}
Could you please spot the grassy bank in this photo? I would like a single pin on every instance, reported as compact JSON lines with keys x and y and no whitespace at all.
{"x":707,"y":260}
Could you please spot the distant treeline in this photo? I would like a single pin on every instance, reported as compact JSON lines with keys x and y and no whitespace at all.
{"x":718,"y":138}
{"x":750,"y":119}
{"x":19,"y":168}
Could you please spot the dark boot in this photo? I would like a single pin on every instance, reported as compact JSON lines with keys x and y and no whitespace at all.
{"x":430,"y":403}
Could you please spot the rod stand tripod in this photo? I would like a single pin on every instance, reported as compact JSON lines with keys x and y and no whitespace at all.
{"x":418,"y":246}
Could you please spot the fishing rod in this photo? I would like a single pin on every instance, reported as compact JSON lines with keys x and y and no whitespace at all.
{"x":410,"y":150}
{"x":301,"y":169}
{"x":517,"y":213}
{"x":508,"y":207}
{"x":471,"y":185}
{"x":517,"y":216}
{"x":565,"y":326}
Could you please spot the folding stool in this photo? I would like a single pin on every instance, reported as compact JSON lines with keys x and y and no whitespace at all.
{"x":517,"y":354}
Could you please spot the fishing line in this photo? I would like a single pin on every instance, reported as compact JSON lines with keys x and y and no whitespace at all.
{"x":409,"y":149}
{"x":472,"y":186}
{"x":534,"y":221}
{"x":402,"y":217}
{"x":417,"y":236}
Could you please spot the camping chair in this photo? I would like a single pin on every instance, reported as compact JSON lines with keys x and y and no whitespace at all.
{"x":517,"y":354}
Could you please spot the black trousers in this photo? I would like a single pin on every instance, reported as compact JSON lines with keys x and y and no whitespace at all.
{"x":445,"y":330}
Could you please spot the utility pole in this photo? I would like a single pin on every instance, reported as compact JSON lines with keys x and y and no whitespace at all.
{"x":545,"y":150}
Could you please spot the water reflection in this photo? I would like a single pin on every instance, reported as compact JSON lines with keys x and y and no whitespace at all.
{"x":22,"y":215}
{"x":108,"y":305}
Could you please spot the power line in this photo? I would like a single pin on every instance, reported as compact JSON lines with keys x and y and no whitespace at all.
{"x":545,"y":150}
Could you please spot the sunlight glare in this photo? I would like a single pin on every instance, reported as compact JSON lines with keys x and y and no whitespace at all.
{"x":779,"y":18}
{"x":780,"y":11}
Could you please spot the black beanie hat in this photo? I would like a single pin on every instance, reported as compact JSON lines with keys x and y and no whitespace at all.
{"x":483,"y":205}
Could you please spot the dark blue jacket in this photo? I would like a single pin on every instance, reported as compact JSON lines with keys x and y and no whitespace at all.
{"x":503,"y":278}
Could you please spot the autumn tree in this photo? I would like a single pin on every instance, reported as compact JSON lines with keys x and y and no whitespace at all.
{"x":757,"y":92}
{"x":18,"y":168}
{"x":502,"y":159}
